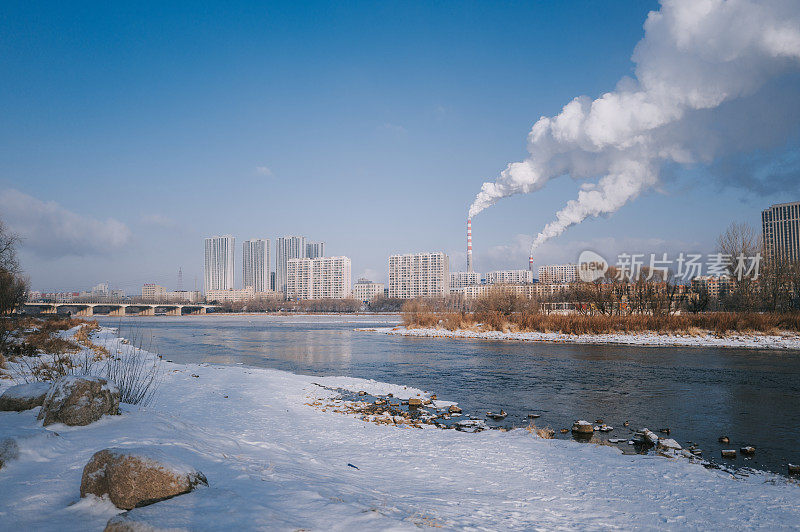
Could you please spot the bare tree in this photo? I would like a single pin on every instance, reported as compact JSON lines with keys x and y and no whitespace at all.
{"x":740,"y":240}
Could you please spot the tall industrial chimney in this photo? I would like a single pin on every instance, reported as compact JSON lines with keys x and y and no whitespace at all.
{"x":469,"y":245}
{"x":530,"y":263}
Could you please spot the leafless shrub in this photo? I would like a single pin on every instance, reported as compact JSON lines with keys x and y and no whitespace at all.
{"x":135,"y":370}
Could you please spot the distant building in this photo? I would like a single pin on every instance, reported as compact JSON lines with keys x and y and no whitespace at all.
{"x":219,"y":262}
{"x":315,"y":250}
{"x":780,"y":227}
{"x":240,"y":295}
{"x":286,"y":248}
{"x":419,"y":275}
{"x":157,"y":293}
{"x":153,"y":292}
{"x":538,"y":290}
{"x":319,"y":278}
{"x":272,"y":281}
{"x":256,"y":265}
{"x":509,"y":277}
{"x":459,"y":280}
{"x":558,"y":273}
{"x":714,"y":286}
{"x":366,"y":290}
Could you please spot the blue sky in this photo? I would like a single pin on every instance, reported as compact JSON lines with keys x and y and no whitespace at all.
{"x":369,"y":125}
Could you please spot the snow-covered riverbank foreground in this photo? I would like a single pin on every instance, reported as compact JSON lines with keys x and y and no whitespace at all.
{"x":745,"y":341}
{"x":274,"y":462}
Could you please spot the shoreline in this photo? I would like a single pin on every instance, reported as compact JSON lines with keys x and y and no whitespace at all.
{"x":789,"y":342}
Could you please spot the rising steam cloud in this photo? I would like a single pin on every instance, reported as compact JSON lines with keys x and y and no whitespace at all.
{"x":698,"y":61}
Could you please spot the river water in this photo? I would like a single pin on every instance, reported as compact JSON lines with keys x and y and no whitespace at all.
{"x":700,"y":394}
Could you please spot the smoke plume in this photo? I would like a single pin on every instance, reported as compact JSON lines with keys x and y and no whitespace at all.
{"x":701,"y":68}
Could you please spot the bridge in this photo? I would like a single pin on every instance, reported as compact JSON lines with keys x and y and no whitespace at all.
{"x":118,"y":309}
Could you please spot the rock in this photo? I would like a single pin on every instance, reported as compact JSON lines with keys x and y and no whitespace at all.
{"x":646,"y":436}
{"x":137,"y":476}
{"x":24,"y":396}
{"x":664,"y":431}
{"x":617,"y":440}
{"x":794,"y":469}
{"x":669,"y":444}
{"x":534,"y":416}
{"x":728,"y":453}
{"x":433,"y":397}
{"x":749,"y":450}
{"x":724,"y":439}
{"x":470,"y":425}
{"x":582,"y":427}
{"x":598,"y":421}
{"x":697,"y":452}
{"x":564,"y":431}
{"x":454,"y":409}
{"x":626,"y":423}
{"x":605,"y":428}
{"x":415,"y":402}
{"x":79,"y":400}
{"x":9,"y":450}
{"x":362,"y":393}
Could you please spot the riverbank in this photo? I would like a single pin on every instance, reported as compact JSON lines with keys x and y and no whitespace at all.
{"x":275,"y":461}
{"x":786,"y":341}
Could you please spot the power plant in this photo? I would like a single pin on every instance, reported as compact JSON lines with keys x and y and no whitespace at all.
{"x":469,"y":245}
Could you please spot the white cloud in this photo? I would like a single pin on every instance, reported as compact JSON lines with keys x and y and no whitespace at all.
{"x":712,"y":79}
{"x":51,"y":231}
{"x":264,"y":170}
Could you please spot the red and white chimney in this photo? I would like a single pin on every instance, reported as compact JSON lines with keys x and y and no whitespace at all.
{"x":469,"y":244}
{"x":530,"y":263}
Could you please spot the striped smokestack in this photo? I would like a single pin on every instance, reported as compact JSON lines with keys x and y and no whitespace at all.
{"x":530,"y":263}
{"x":469,"y":245}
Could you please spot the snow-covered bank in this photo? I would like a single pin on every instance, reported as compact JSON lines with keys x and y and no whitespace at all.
{"x":745,"y":341}
{"x":273,"y":462}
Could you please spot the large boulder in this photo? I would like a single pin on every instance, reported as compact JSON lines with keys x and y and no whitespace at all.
{"x":79,"y":400}
{"x":133,"y":477}
{"x":24,"y":396}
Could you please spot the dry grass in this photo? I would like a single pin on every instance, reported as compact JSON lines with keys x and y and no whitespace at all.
{"x":509,"y":317}
{"x":544,"y":432}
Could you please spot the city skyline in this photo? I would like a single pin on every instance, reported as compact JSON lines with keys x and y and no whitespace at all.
{"x":381,"y":147}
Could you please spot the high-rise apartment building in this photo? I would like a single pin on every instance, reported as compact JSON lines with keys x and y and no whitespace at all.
{"x":419,"y":275}
{"x":315,"y":250}
{"x":780,"y":226}
{"x":219,"y":262}
{"x":510,"y":277}
{"x":366,"y":290}
{"x":319,"y":278}
{"x":558,"y":273}
{"x":286,"y":248}
{"x":256,"y":265}
{"x":459,"y":280}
